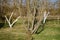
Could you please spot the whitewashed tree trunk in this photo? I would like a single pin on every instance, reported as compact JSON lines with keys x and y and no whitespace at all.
{"x":9,"y":20}
{"x":45,"y":16}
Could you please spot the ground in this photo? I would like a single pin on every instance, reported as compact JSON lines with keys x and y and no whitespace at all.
{"x":51,"y":32}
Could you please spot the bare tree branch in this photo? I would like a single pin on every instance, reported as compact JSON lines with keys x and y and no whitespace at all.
{"x":15,"y":20}
{"x":8,"y":21}
{"x":11,"y":16}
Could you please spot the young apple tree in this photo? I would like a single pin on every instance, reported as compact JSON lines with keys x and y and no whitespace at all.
{"x":9,"y":20}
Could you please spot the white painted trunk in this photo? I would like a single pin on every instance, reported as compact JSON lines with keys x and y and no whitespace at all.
{"x":9,"y":20}
{"x":45,"y":16}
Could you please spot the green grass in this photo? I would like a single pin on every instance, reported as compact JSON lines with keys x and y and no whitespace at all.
{"x":51,"y":32}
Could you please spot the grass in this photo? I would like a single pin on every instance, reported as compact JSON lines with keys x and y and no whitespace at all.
{"x":51,"y":32}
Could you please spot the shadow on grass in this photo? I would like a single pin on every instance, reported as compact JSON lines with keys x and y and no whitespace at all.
{"x":40,"y":29}
{"x":1,"y":25}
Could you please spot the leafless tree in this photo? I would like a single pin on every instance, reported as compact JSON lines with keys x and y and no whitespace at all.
{"x":9,"y":20}
{"x":34,"y":27}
